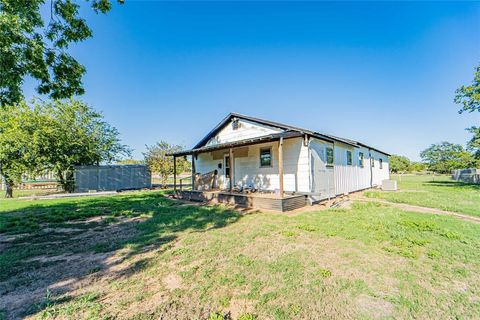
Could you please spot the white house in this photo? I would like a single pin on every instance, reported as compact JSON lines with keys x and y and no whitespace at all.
{"x":244,"y":153}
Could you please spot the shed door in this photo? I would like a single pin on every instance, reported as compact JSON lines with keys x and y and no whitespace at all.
{"x":323,"y":183}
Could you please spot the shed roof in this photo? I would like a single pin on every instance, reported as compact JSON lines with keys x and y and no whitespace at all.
{"x":201,"y":145}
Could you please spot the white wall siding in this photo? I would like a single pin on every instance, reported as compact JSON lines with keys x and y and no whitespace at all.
{"x":346,"y":179}
{"x":247,"y":170}
{"x":246,"y":130}
{"x":380,"y":174}
{"x":305,"y":168}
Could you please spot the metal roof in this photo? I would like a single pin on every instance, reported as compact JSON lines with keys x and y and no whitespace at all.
{"x":201,"y":145}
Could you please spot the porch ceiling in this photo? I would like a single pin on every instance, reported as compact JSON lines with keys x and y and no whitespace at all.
{"x":240,"y":143}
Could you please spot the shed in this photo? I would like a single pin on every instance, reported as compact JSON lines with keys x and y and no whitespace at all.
{"x":112,"y":177}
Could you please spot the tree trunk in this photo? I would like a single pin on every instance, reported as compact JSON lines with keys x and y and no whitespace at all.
{"x":9,"y":188}
{"x":69,"y":182}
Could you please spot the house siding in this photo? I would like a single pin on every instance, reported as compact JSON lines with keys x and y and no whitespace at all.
{"x":247,"y":170}
{"x":246,"y":130}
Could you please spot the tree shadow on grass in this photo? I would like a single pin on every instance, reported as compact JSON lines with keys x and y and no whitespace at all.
{"x":452,"y":183}
{"x":56,"y":245}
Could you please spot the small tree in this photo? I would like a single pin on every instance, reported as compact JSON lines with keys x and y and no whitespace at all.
{"x":158,"y":161}
{"x":399,"y":164}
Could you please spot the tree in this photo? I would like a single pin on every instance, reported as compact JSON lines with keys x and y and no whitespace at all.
{"x":56,"y":136}
{"x":21,"y":143}
{"x":78,"y":135}
{"x":474,"y":144}
{"x":399,"y":164}
{"x":446,"y":156}
{"x":469,"y":96}
{"x":416,"y":167}
{"x":32,"y":48}
{"x":158,"y":161}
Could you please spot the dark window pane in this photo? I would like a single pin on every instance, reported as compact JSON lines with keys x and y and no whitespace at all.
{"x":349,"y":158}
{"x":265,"y":157}
{"x":330,"y":156}
{"x":360,"y":159}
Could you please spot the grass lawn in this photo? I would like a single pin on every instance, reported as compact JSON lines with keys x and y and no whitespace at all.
{"x":141,"y":255}
{"x":439,"y":192}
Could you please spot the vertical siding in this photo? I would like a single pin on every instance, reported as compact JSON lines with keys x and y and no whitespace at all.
{"x":246,"y":130}
{"x":323,"y":180}
{"x":346,"y":179}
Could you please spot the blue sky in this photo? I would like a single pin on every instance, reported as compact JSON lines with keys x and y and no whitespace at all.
{"x":383,"y":73}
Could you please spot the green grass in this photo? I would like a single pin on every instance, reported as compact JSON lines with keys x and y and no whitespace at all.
{"x":187,"y":262}
{"x":439,"y":192}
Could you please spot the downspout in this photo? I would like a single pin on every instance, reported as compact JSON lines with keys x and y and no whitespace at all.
{"x":307,"y":143}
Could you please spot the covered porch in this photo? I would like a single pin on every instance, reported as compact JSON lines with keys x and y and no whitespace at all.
{"x":218,"y":183}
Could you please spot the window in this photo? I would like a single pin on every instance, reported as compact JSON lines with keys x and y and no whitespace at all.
{"x":361,"y":160}
{"x":373,"y":162}
{"x":380,"y":161}
{"x":329,"y":156}
{"x":349,"y":157}
{"x":235,"y":124}
{"x":265,"y":157}
{"x":227,"y":166}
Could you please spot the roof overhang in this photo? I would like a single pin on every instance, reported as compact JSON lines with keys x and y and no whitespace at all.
{"x":239,"y":143}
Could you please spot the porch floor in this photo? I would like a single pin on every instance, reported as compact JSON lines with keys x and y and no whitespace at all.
{"x":257,"y":200}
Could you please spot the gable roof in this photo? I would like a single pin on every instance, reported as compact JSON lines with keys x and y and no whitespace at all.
{"x":202,"y":144}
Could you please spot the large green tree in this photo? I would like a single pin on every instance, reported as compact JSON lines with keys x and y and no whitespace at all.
{"x":445,"y":156}
{"x":474,"y":144}
{"x":156,"y":157}
{"x":32,"y":47}
{"x":469,"y":96}
{"x":78,"y":135}
{"x":57,"y":136}
{"x":21,"y":143}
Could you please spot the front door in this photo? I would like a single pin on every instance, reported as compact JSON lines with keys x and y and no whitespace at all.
{"x":226,"y":171}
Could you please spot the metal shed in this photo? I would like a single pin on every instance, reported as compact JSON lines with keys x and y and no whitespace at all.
{"x":112,"y":177}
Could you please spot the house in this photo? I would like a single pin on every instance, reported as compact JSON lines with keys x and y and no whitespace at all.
{"x":287,"y":167}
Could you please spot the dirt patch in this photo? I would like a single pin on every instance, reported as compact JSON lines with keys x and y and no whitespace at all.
{"x":240,"y":306}
{"x":374,"y":308}
{"x":172,"y":281}
{"x":65,"y":265}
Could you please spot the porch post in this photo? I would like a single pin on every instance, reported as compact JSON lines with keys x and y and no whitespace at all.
{"x":193,"y":171}
{"x":174,"y":173}
{"x":231,"y":169}
{"x":280,"y":165}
